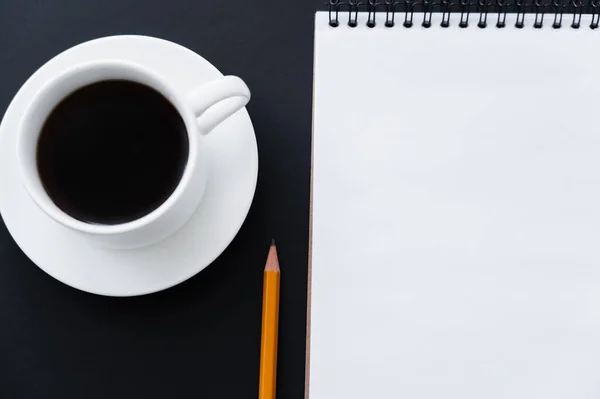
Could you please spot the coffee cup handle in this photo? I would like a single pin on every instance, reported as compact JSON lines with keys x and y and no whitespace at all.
{"x":217,"y":100}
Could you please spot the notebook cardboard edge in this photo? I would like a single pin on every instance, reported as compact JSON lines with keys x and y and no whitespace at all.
{"x":310,"y":226}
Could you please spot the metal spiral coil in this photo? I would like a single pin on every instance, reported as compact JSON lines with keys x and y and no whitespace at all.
{"x":386,"y":12}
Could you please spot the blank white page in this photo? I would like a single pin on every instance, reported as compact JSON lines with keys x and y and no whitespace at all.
{"x":456,"y":212}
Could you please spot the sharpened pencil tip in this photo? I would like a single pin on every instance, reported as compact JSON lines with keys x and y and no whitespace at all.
{"x":272,"y":260}
{"x":272,"y":242}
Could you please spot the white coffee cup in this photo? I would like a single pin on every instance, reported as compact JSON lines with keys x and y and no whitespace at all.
{"x":202,"y":109}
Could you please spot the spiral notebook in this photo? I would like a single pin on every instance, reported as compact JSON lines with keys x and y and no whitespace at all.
{"x":455,"y":234}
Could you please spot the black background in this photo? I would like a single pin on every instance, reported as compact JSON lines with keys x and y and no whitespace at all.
{"x":200,"y":339}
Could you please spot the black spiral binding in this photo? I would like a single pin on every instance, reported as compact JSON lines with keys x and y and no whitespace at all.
{"x":545,"y":11}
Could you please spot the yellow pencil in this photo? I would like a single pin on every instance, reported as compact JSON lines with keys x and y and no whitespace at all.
{"x":270,"y":322}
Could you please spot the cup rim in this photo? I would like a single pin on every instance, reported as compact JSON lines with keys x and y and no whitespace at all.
{"x":158,"y":84}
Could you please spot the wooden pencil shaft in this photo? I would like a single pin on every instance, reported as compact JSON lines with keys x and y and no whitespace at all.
{"x":270,"y":322}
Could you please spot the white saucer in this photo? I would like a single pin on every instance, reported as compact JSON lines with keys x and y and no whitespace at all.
{"x":72,"y":259}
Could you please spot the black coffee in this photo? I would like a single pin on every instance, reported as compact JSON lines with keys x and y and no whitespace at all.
{"x":112,"y":152}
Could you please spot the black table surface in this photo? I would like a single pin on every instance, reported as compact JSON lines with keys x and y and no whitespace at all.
{"x":200,"y":339}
